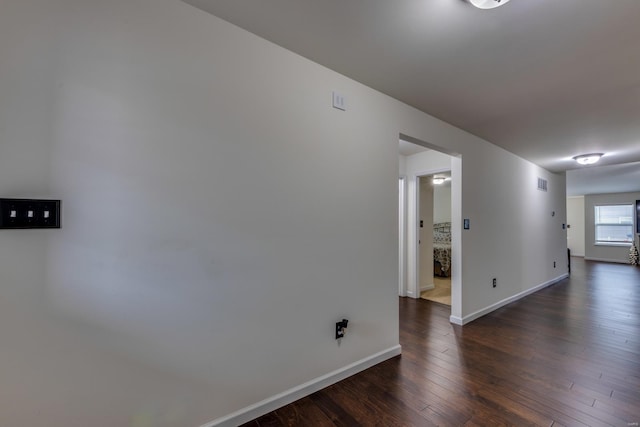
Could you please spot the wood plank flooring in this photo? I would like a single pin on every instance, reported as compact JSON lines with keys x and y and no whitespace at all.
{"x":441,"y":292}
{"x":568,"y":355}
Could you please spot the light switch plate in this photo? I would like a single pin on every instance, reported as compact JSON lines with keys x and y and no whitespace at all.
{"x":29,"y":213}
{"x":339,"y":101}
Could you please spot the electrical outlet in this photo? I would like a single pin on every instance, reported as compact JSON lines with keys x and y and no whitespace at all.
{"x":554,"y":264}
{"x":495,"y":282}
{"x":341,"y":328}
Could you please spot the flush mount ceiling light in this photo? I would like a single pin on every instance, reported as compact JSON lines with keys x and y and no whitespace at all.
{"x":437,"y":180}
{"x":487,"y":4}
{"x":588,"y":159}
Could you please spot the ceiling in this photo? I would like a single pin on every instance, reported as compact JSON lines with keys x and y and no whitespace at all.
{"x":409,"y":149}
{"x":604,"y":179}
{"x":544,"y":79}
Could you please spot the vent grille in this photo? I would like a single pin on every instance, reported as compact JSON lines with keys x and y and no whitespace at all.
{"x":542,"y":184}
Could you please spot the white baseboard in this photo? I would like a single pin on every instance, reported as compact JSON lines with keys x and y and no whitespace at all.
{"x":618,"y":261}
{"x":427,"y":287}
{"x":279,"y":400}
{"x":473,"y":316}
{"x":456,"y":320}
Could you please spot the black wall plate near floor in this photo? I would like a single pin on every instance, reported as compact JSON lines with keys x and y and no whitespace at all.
{"x":29,"y":213}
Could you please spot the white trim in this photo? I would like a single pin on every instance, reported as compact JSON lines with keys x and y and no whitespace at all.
{"x":427,"y":287}
{"x":473,"y":316}
{"x":402,"y":235}
{"x":577,"y":255}
{"x":456,"y":320}
{"x":607,"y":260}
{"x":256,"y":410}
{"x":613,"y":244}
{"x":456,"y":236}
{"x":413,"y":255}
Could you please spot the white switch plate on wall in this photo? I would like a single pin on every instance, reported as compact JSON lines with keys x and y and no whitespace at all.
{"x":339,"y":101}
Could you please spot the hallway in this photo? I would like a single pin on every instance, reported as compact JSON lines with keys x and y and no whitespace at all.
{"x":566,"y":355}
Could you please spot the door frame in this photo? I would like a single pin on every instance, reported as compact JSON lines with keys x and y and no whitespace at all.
{"x":402,"y":235}
{"x":413,"y":230}
{"x":457,"y":275}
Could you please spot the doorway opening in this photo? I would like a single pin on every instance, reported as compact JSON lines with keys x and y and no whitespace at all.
{"x":436,"y":252}
{"x":430,"y":224}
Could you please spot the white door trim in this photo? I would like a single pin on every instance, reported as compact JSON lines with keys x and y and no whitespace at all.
{"x":413,"y":210}
{"x":402,"y":236}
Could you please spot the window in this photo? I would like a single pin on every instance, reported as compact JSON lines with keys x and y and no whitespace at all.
{"x":614,"y":224}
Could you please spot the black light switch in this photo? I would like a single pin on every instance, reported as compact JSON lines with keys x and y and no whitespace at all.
{"x":29,"y":213}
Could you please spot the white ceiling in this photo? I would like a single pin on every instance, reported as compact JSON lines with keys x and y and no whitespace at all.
{"x":545,"y":79}
{"x":604,"y":179}
{"x":408,"y":149}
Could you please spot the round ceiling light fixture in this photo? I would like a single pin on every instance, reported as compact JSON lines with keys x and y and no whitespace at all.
{"x":588,"y":159}
{"x":488,"y":4}
{"x":438,"y":180}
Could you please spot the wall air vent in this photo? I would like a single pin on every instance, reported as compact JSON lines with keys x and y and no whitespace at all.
{"x":542,"y":184}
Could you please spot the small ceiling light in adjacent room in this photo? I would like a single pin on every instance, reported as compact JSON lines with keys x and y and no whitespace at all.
{"x":588,"y":159}
{"x":487,"y":4}
{"x":437,"y":180}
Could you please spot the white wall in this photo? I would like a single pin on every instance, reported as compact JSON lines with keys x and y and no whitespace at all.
{"x":442,"y":202}
{"x":512,"y":226}
{"x":425,"y":246}
{"x":402,"y":165}
{"x":600,"y":252}
{"x":575,"y":218}
{"x":218,"y":218}
{"x":513,"y":235}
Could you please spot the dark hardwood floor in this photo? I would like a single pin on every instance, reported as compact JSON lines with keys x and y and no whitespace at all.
{"x":568,"y":355}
